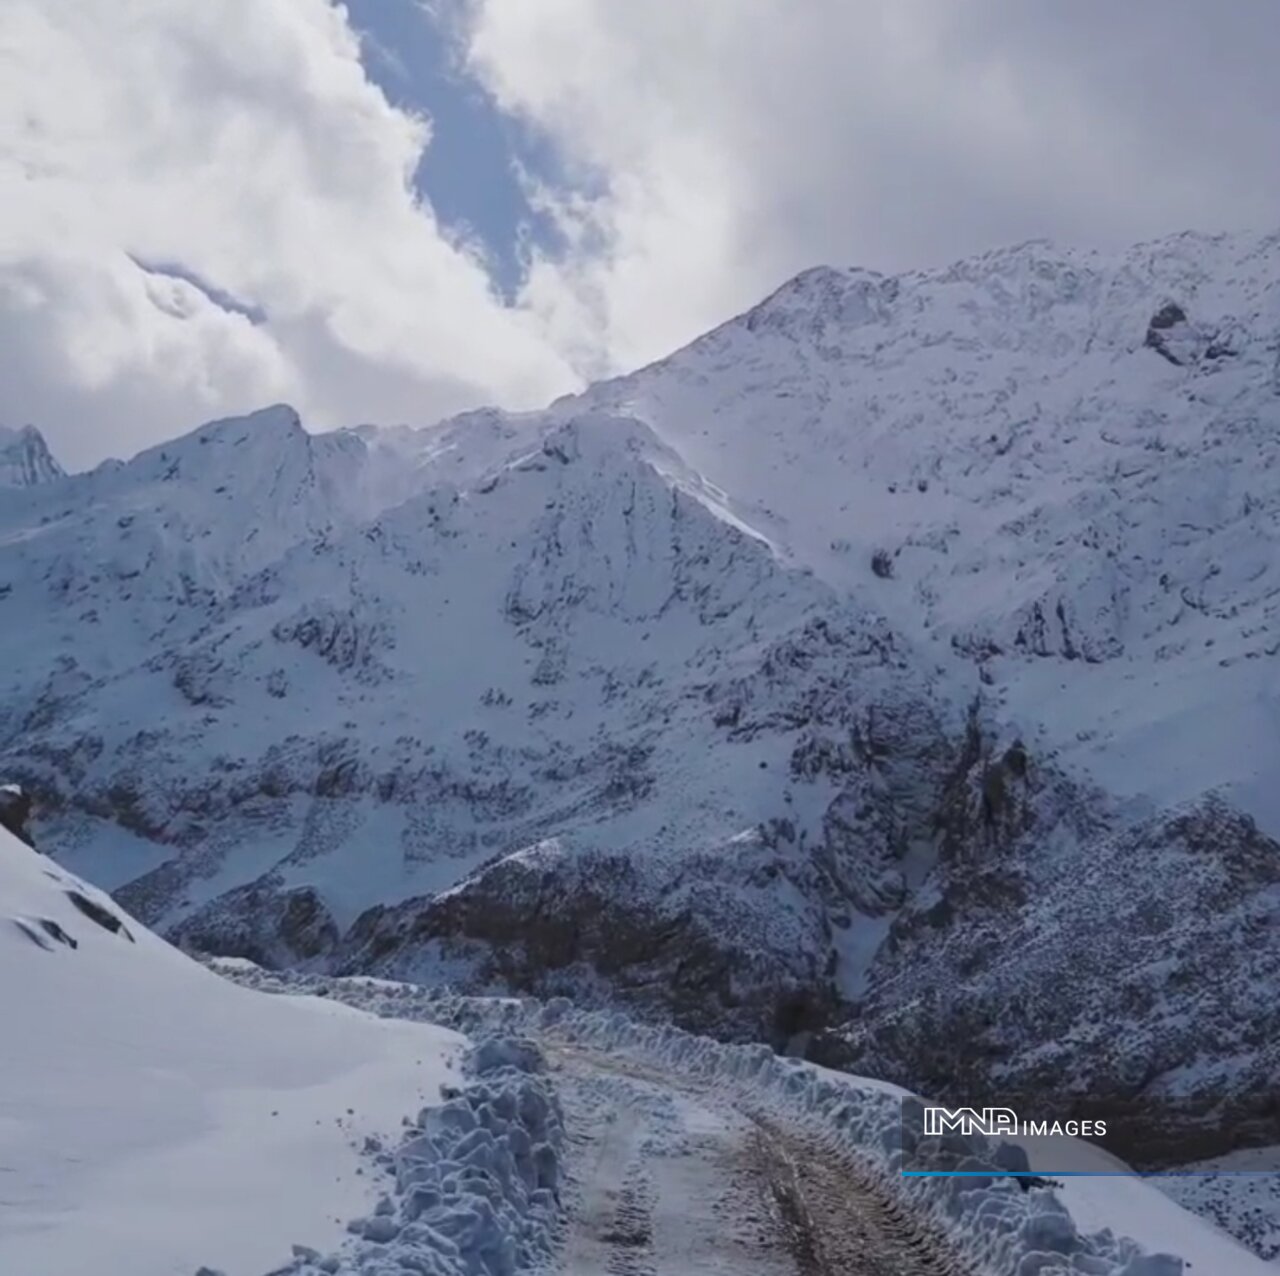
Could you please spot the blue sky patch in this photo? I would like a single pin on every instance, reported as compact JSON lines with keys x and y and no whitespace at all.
{"x":469,"y":172}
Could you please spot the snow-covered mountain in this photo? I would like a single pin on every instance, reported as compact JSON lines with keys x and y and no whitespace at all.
{"x":1066,"y":462}
{"x":546,"y":650}
{"x":25,"y":459}
{"x":755,"y":685}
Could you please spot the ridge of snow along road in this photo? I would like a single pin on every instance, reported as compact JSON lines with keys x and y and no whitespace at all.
{"x":991,"y":1224}
{"x":154,"y":1116}
{"x":476,"y":1186}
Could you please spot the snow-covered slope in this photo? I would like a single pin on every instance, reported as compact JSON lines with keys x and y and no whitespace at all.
{"x":703,"y":688}
{"x":1067,"y":461}
{"x":154,"y":1118}
{"x":575,"y":642}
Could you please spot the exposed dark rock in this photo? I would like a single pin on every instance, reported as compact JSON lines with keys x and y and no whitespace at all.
{"x":264,"y":923}
{"x":861,"y":846}
{"x":201,"y":681}
{"x":40,"y":930}
{"x":95,"y":912}
{"x":1015,"y":760}
{"x":346,"y":639}
{"x":55,"y":931}
{"x":1168,"y":316}
{"x":15,"y":811}
{"x":1128,"y":978}
{"x":714,"y":947}
{"x":1170,"y":335}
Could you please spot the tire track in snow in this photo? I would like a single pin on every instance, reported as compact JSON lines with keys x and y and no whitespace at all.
{"x":676,"y":1179}
{"x":839,"y":1220}
{"x":611,"y":1230}
{"x":631,"y":1233}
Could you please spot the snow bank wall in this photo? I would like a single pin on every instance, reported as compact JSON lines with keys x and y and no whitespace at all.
{"x":991,"y":1221}
{"x":477,"y":1179}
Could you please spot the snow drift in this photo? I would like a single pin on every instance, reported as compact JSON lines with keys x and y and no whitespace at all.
{"x":156,"y":1118}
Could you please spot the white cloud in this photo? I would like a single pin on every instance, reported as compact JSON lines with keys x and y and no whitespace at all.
{"x":735,"y":142}
{"x":713,"y":148}
{"x":242,"y":142}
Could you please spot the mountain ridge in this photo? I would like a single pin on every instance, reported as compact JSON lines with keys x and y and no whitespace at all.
{"x":702,"y":689}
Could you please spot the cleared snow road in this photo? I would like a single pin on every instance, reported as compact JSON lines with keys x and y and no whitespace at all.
{"x":671,"y":1171}
{"x":672,"y":1178}
{"x":681,"y":1157}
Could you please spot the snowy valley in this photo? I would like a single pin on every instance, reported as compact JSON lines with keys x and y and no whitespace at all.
{"x":887,"y":678}
{"x":362,"y":1127}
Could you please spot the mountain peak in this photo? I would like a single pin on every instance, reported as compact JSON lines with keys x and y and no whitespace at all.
{"x":277,"y":421}
{"x":224,"y":446}
{"x":25,"y":459}
{"x":851,"y":297}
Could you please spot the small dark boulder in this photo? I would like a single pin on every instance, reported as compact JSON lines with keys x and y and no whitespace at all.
{"x":1168,"y":316}
{"x":1163,"y":331}
{"x":15,"y":810}
{"x":96,"y":913}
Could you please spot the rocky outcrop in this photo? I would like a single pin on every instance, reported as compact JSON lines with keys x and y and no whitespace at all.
{"x":1180,"y":341}
{"x":266,"y":922}
{"x":733,"y":942}
{"x":1170,"y":335}
{"x":344,"y":639}
{"x":1125,"y":974}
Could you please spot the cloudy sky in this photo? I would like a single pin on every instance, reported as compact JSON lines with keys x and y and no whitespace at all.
{"x":395,"y":209}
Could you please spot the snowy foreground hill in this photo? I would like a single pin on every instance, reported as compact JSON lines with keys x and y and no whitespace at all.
{"x":890,"y":674}
{"x":156,"y":1120}
{"x":153,"y":1117}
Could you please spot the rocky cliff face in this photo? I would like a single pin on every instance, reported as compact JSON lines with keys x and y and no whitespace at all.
{"x":1092,"y":970}
{"x":827,"y":664}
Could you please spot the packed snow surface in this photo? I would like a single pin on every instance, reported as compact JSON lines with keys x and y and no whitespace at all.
{"x":154,"y":1117}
